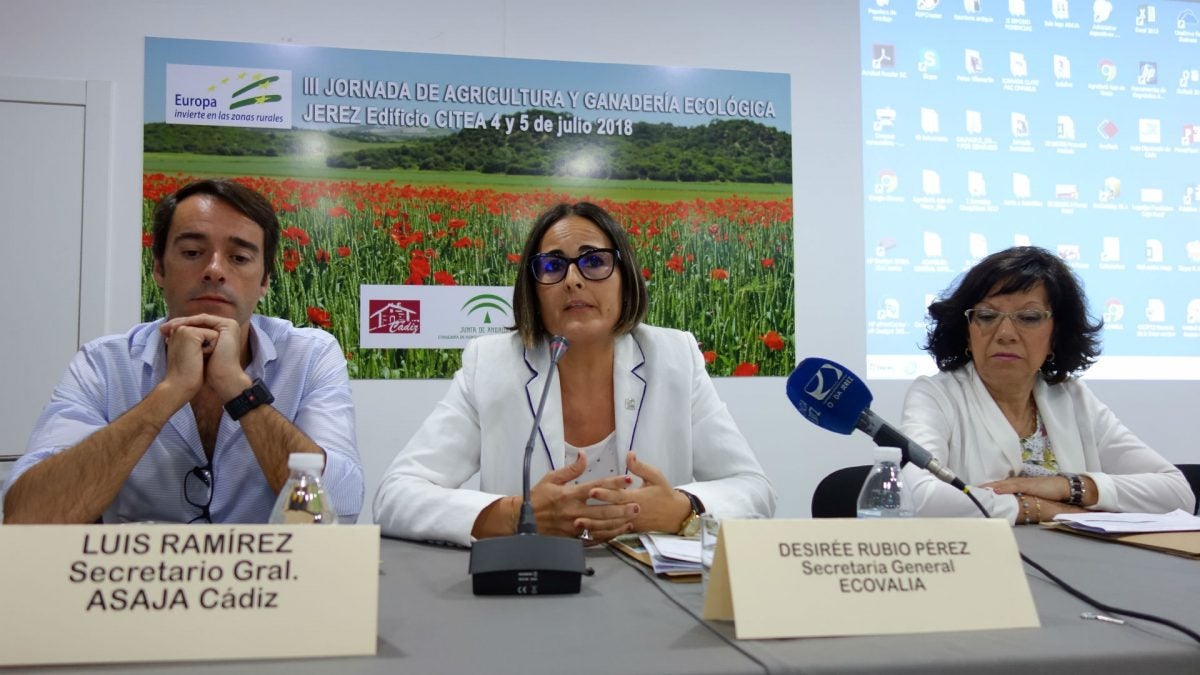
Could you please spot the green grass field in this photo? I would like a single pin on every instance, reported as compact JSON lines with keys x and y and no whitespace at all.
{"x":314,"y":167}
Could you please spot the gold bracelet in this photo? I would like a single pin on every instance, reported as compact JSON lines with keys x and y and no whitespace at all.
{"x":1037,"y":502}
{"x":1024,"y":506}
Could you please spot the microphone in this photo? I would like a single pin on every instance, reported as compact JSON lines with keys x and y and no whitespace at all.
{"x":831,"y":397}
{"x":527,"y":563}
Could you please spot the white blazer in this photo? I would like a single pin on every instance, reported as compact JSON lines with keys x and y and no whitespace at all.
{"x":666,"y":409}
{"x":953,"y":416}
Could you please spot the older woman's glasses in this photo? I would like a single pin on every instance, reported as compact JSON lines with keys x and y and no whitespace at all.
{"x":595,"y":265}
{"x":1025,"y":319}
{"x":198,"y":491}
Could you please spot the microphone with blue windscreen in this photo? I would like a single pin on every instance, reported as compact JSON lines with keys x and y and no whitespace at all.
{"x":831,"y":397}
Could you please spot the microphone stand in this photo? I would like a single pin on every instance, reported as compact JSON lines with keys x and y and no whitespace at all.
{"x":527,"y":563}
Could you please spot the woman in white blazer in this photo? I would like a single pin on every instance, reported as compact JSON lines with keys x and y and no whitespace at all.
{"x":633,"y":437}
{"x":1007,"y":414}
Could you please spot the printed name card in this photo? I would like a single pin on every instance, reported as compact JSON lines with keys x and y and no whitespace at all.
{"x":120,"y":593}
{"x":808,"y":578}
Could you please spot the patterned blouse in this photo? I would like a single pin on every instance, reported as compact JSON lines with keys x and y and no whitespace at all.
{"x":1037,"y":458}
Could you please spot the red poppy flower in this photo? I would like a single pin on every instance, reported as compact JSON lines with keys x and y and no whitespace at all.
{"x":405,"y":240}
{"x":147,"y":240}
{"x":514,"y":258}
{"x":710,"y":356}
{"x":719,"y":274}
{"x":745,"y":369}
{"x":318,"y":317}
{"x":322,"y":256}
{"x":435,"y":217}
{"x":646,"y":273}
{"x":297,"y":235}
{"x":465,"y":242}
{"x":344,"y":251}
{"x":291,"y":259}
{"x":675,"y":264}
{"x":338,"y":212}
{"x":768,"y":262}
{"x":418,"y":267}
{"x":773,"y":340}
{"x":444,"y":278}
{"x":456,"y":223}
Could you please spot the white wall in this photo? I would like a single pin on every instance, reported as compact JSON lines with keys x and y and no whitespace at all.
{"x":813,"y":40}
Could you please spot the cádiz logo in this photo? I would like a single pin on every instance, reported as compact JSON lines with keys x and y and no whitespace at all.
{"x":487,"y":303}
{"x":823,"y":382}
{"x":394,"y":316}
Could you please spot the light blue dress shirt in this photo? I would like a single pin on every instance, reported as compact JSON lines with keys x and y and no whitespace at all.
{"x":304,"y":368}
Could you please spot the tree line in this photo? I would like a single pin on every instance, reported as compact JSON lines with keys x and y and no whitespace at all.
{"x":738,"y":151}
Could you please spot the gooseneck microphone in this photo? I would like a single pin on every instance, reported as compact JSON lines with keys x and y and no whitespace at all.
{"x":527,"y":563}
{"x":830,"y":396}
{"x":527,"y":523}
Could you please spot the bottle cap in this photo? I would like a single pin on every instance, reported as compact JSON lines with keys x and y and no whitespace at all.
{"x":306,"y":461}
{"x":883,"y":455}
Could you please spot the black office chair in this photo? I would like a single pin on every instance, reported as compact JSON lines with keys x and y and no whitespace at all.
{"x":1192,"y":473}
{"x":836,"y":495}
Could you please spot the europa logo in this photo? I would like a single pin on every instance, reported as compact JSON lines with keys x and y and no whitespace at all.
{"x":228,"y":96}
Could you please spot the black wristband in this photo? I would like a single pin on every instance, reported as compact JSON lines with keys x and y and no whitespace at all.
{"x":248,"y":400}
{"x":697,"y":505}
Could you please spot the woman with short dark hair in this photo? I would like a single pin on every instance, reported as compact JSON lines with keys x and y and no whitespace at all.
{"x":1006,"y":412}
{"x":633,"y":437}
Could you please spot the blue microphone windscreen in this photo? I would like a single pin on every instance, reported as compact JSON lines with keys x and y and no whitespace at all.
{"x":828,"y":394}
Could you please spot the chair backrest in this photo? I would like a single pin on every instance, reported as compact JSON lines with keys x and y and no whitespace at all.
{"x":1192,"y":473}
{"x":836,"y":495}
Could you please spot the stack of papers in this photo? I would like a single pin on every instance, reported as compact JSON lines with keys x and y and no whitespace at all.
{"x":1125,"y":523}
{"x":672,"y":554}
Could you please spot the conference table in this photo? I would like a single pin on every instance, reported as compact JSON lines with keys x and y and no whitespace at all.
{"x":626,"y":620}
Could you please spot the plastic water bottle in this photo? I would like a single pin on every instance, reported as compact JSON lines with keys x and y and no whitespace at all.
{"x":302,"y":499}
{"x":884,"y":494}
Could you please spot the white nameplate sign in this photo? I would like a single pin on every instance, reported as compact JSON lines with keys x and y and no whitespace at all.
{"x":821,"y":577}
{"x":116,"y":593}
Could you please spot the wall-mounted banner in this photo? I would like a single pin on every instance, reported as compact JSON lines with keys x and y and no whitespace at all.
{"x":421,"y":173}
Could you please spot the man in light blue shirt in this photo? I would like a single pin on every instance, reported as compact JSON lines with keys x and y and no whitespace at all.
{"x":191,"y":418}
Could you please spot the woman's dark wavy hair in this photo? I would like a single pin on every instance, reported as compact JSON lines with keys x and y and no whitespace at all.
{"x":634,"y":299}
{"x":1075,"y":343}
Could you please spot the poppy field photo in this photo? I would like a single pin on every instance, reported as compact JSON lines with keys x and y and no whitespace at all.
{"x":719,"y":267}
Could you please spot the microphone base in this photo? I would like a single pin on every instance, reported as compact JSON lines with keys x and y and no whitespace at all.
{"x":526,"y":564}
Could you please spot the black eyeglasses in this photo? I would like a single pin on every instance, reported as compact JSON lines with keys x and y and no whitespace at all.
{"x":198,"y":491}
{"x":595,"y":265}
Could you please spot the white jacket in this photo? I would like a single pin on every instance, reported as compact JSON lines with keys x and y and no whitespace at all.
{"x":666,"y":409}
{"x":953,"y":416}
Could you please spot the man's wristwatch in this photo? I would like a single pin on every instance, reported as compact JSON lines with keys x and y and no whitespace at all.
{"x":248,"y":400}
{"x":691,"y":524}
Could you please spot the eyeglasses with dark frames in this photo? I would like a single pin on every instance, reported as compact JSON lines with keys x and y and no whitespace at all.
{"x":198,"y":491}
{"x":595,"y":265}
{"x":1025,"y":319}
